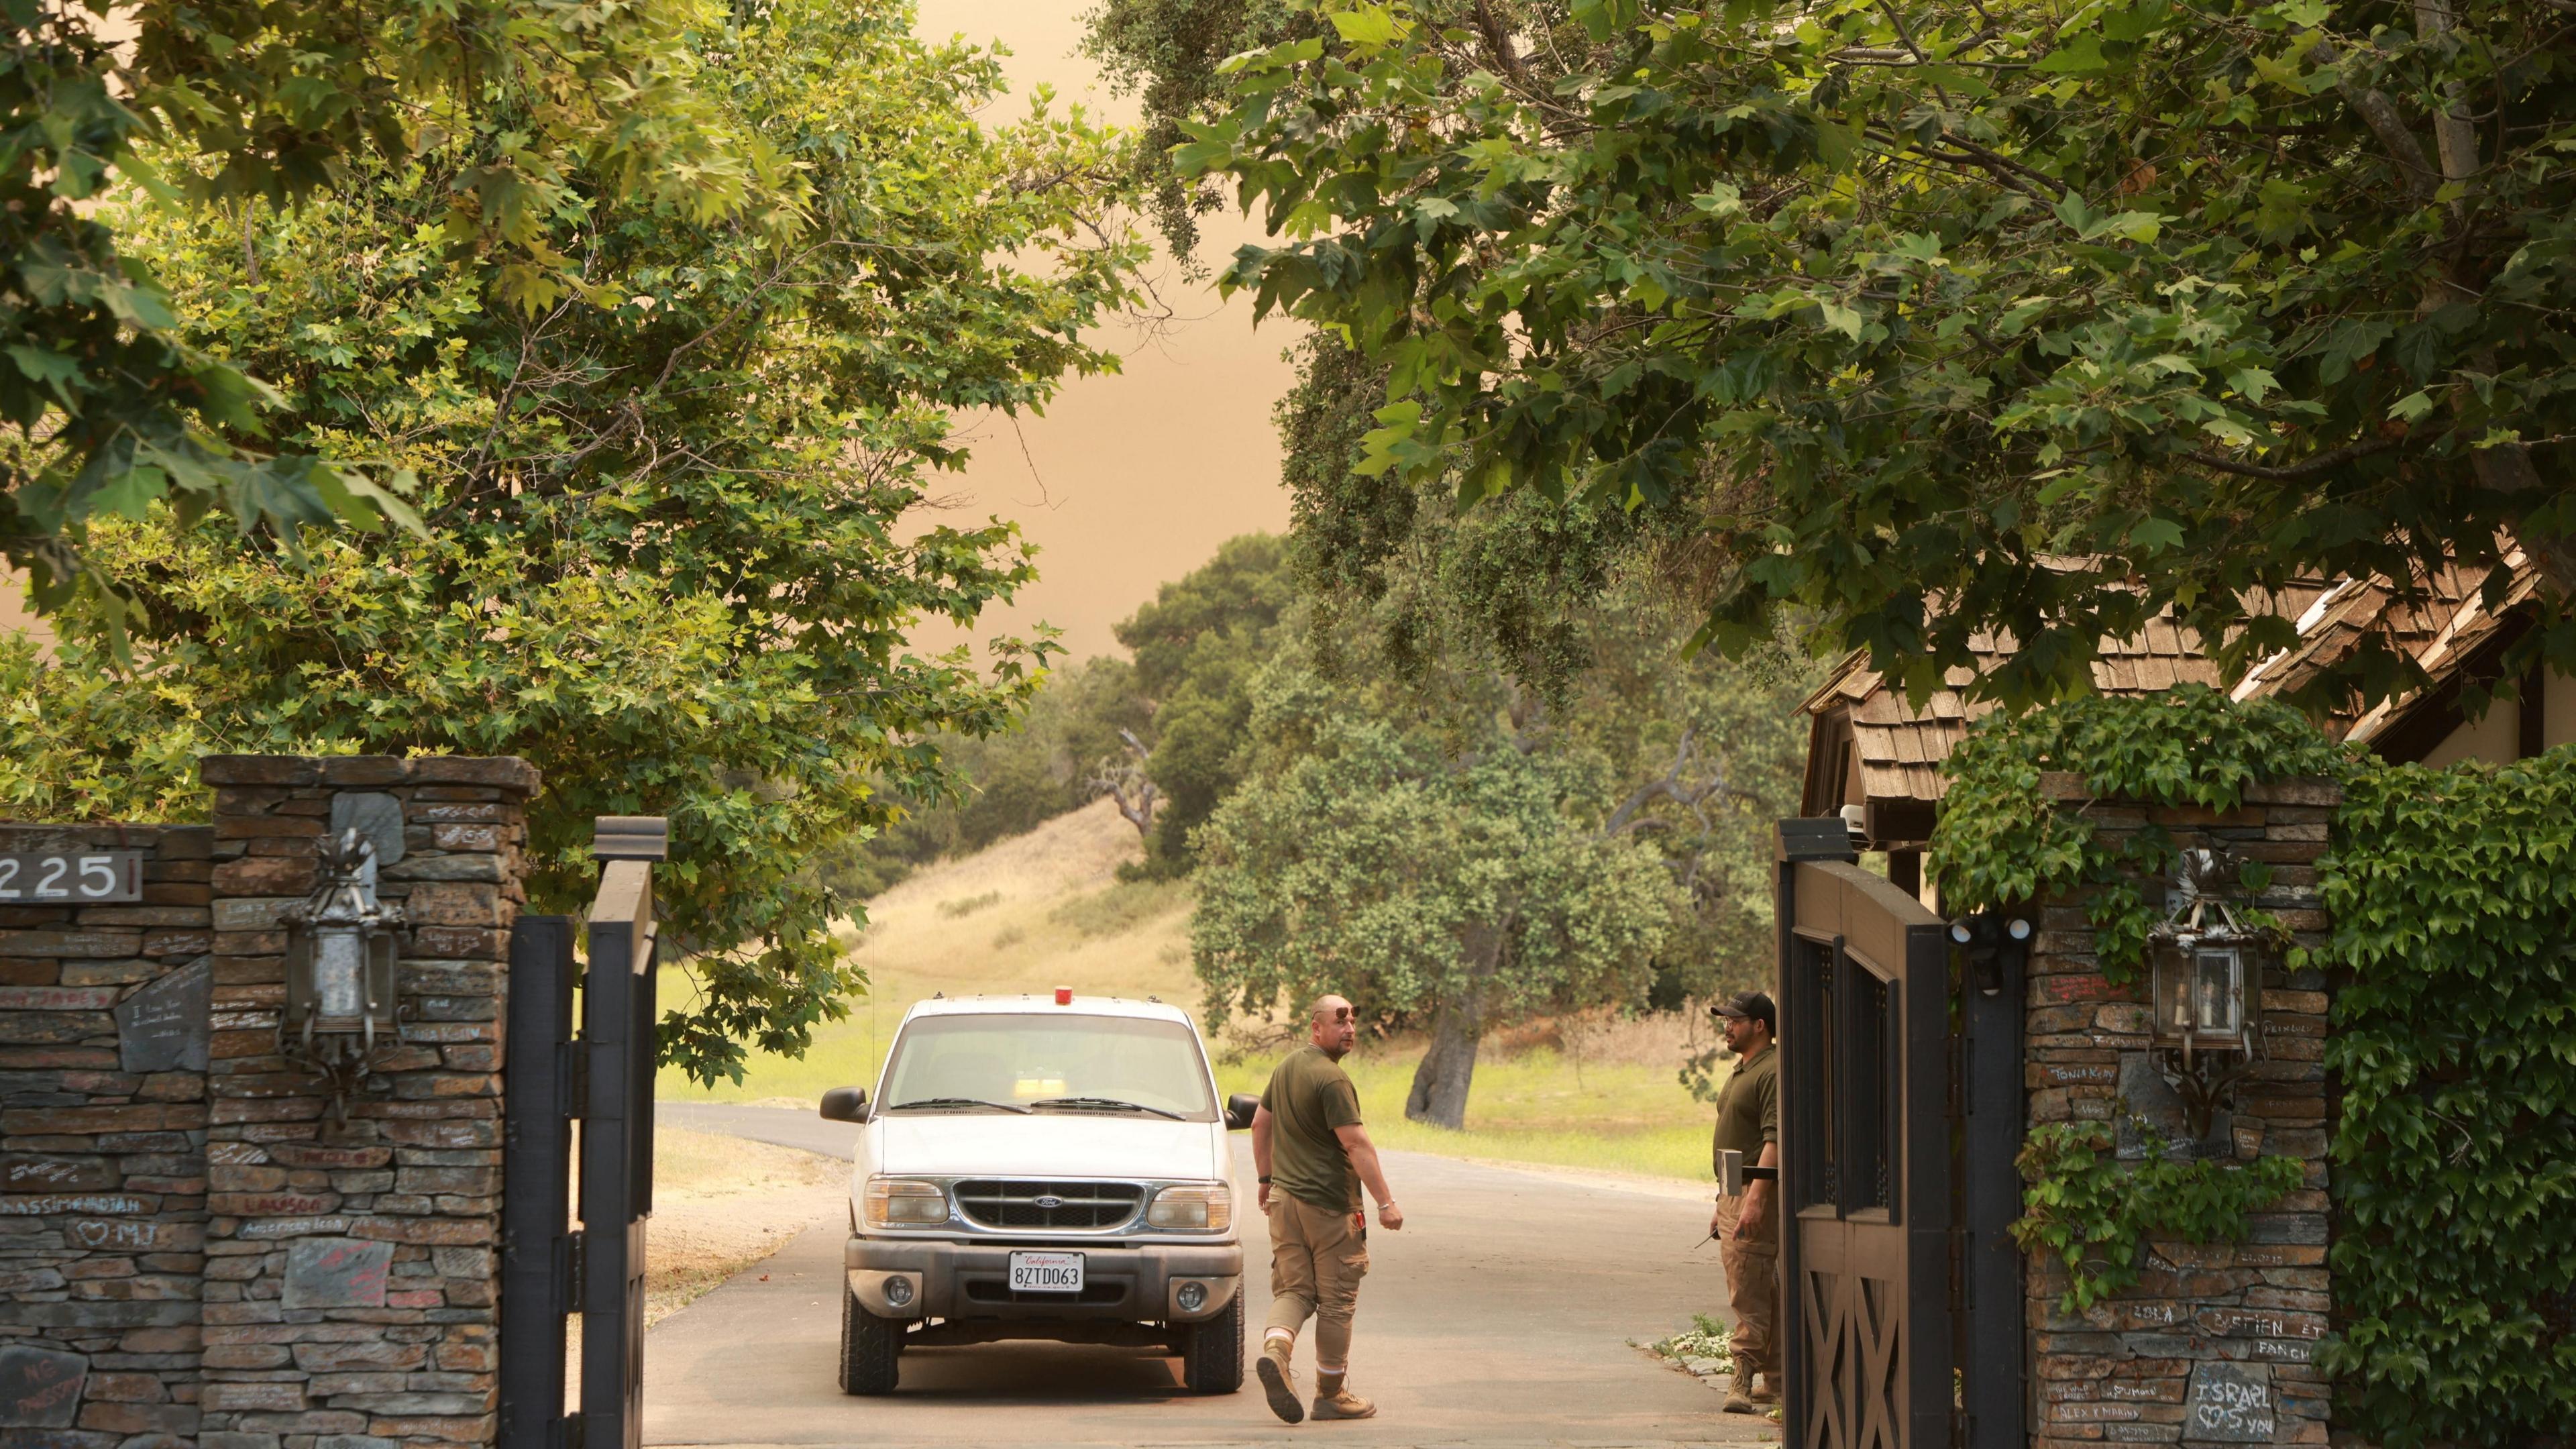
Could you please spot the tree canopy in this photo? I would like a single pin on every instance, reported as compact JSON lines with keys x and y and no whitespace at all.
{"x":1197,"y":647}
{"x":1460,"y":887}
{"x":534,"y":110}
{"x":1458,"y":848}
{"x":1930,"y":320}
{"x":677,"y":542}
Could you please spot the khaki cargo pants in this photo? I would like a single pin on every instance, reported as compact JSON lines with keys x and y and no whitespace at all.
{"x":1752,"y":1286}
{"x":1317,"y":1258}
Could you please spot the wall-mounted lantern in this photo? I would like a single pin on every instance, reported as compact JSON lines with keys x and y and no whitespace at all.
{"x":340,"y":953}
{"x":2206,"y":987}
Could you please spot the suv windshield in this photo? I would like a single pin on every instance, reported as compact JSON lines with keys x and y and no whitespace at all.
{"x":1023,"y":1060}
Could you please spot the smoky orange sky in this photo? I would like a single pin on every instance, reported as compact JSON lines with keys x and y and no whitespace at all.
{"x":1134,"y":478}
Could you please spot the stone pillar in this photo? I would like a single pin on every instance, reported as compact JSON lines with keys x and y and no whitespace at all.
{"x":102,"y":1145}
{"x":2214,"y":1343}
{"x":350,"y":1296}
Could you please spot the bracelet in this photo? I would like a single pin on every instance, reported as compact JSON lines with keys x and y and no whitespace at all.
{"x":1265,"y":1182}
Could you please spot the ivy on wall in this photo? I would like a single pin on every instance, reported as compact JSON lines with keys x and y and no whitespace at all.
{"x":2453,"y":900}
{"x":2453,"y":896}
{"x":2002,"y":841}
{"x":2095,"y":1212}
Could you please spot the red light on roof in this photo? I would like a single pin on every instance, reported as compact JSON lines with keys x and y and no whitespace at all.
{"x":1064,"y":996}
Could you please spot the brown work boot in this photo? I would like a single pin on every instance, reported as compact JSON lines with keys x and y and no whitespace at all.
{"x":1335,"y":1401}
{"x":1767,"y":1390}
{"x":1739,"y":1396}
{"x":1278,"y":1380}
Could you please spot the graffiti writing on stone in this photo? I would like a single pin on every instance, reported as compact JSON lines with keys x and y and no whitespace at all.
{"x":92,"y":1204}
{"x":337,"y":1273}
{"x":111,"y":1233}
{"x":39,"y":1387}
{"x":2231,"y":1403}
{"x":162,"y":1028}
{"x":292,"y":1227}
{"x":41,"y":1174}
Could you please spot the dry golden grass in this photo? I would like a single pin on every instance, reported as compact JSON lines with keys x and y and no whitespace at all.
{"x":1048,"y":911}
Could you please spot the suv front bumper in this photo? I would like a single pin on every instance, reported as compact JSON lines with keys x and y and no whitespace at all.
{"x":1123,"y":1284}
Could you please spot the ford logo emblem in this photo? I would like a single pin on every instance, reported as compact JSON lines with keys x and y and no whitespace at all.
{"x":1049,"y":1201}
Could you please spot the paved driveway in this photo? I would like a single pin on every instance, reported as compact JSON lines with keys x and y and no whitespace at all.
{"x":1501,"y":1316}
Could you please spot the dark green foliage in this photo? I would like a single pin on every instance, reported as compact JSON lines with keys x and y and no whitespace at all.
{"x":1197,"y":647}
{"x":2061,"y":315}
{"x":1168,"y":51}
{"x":226,"y":110}
{"x":2453,"y":894}
{"x":2001,"y":841}
{"x":2095,"y":1213}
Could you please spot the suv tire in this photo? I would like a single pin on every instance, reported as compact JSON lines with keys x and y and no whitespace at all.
{"x":869,"y":1347}
{"x":1212,"y":1351}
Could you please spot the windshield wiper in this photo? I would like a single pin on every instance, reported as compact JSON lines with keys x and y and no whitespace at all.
{"x":957,"y":1102}
{"x":1104,"y":1104}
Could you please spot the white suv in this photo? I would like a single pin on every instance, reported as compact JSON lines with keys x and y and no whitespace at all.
{"x":1035,"y":1168}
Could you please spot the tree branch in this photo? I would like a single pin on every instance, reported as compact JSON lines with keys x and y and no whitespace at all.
{"x":2321,"y":463}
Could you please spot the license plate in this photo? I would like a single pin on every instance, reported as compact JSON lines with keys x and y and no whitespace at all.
{"x":1046,"y":1272}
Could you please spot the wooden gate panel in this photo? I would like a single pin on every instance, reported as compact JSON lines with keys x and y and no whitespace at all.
{"x":1865,"y":1005}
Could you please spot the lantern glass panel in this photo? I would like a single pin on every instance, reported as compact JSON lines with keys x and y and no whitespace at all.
{"x":2219,"y":989}
{"x":339,"y":964}
{"x":2172,"y":996}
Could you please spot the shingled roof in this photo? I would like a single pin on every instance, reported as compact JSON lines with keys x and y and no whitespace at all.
{"x":1898,"y":747}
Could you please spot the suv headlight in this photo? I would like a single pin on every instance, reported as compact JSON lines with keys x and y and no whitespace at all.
{"x":895,"y":1202}
{"x":1208,"y":1209}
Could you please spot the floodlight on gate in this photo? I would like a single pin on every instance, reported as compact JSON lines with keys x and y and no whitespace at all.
{"x":340,"y":1012}
{"x":1987,"y":937}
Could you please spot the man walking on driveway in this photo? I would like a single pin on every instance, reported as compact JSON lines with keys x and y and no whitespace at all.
{"x":1313,"y":1155}
{"x":1747,"y":1227}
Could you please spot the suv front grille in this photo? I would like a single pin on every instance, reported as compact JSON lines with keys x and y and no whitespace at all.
{"x":1027,"y":1204}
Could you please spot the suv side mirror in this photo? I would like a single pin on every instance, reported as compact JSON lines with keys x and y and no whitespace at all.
{"x":845,"y":1104}
{"x":1239,"y":1109}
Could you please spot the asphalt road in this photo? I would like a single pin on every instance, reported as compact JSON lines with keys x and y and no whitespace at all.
{"x":1501,"y":1316}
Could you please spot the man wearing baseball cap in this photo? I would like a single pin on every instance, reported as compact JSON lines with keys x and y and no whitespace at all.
{"x":1747,"y":1227}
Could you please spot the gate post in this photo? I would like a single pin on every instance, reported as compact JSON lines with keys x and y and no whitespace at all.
{"x":1993,"y":1392}
{"x":537,"y":1252}
{"x":618,"y":1019}
{"x":350,"y":1270}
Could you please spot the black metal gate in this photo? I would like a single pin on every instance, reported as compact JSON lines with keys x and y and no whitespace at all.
{"x":604,"y":1079}
{"x":1900,"y":1113}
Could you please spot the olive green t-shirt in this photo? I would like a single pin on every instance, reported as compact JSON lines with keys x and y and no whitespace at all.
{"x":1310,"y":1095}
{"x":1748,"y":1107}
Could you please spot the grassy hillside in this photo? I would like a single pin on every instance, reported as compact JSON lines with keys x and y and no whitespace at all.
{"x":1046,"y":910}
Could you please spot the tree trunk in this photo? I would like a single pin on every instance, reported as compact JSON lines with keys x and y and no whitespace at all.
{"x":1439,"y":1094}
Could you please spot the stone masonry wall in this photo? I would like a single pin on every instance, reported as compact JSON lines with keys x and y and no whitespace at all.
{"x":2214,"y":1344}
{"x":350,"y":1296}
{"x":192,"y":1253}
{"x":102,"y":1148}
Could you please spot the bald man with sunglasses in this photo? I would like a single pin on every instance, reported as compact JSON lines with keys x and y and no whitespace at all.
{"x":1313,"y":1157}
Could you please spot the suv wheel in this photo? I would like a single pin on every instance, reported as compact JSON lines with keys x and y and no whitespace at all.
{"x":869,"y":1345}
{"x":1212,"y":1351}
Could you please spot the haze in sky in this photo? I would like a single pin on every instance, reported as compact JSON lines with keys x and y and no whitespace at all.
{"x":1130,"y":479}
